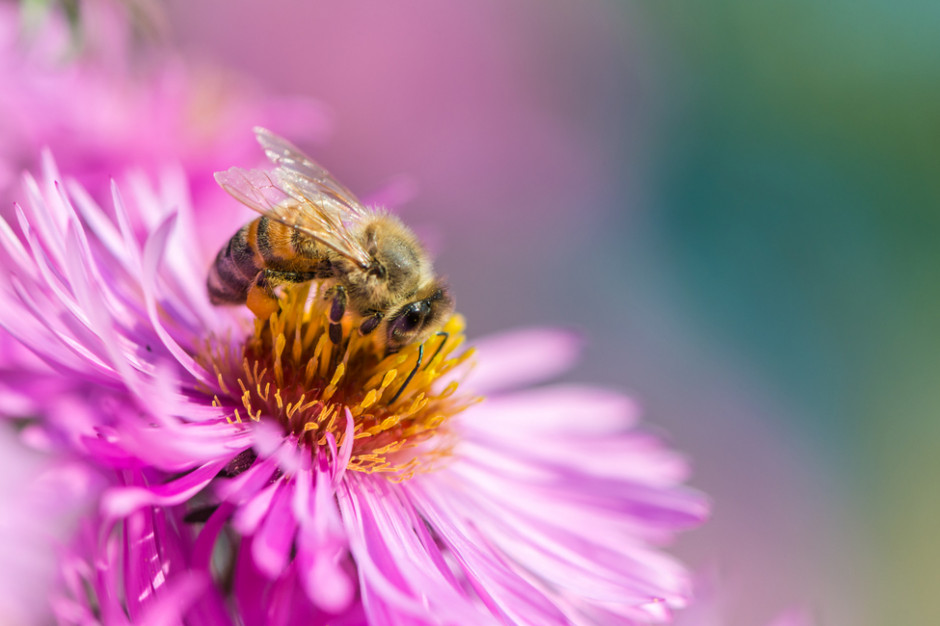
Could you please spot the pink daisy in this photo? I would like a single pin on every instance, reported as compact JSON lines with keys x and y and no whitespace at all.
{"x":258,"y":474}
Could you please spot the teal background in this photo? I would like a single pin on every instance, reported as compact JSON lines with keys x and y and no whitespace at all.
{"x":799,"y":206}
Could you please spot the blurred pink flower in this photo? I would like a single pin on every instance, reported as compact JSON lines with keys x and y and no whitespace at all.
{"x":109,"y":105}
{"x":43,"y":499}
{"x":256,"y":479}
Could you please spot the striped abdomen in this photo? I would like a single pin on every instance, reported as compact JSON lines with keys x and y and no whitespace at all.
{"x":263,"y":244}
{"x":235,"y":268}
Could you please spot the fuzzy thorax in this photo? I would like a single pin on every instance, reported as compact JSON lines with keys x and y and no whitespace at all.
{"x":289,"y":371}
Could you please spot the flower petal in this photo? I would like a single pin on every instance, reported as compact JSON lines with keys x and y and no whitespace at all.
{"x":121,"y":501}
{"x":521,"y":357}
{"x":275,"y":536}
{"x":322,"y":546}
{"x":404,"y":577}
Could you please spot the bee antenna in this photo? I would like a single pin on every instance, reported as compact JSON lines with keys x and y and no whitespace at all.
{"x":411,"y":375}
{"x":446,"y":336}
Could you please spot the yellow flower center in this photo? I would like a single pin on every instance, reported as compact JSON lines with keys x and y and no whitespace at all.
{"x":290,"y":371}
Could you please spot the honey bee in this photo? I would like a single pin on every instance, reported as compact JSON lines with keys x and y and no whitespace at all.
{"x":313,"y":228}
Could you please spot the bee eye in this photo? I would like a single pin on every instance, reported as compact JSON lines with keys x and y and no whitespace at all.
{"x":411,"y":319}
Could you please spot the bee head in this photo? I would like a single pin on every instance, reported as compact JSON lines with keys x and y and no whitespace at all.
{"x":399,"y":264}
{"x":414,"y":322}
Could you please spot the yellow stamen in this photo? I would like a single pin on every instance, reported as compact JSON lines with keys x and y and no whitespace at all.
{"x":288,"y":370}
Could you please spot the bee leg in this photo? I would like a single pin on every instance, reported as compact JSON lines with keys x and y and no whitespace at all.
{"x":337,"y":310}
{"x":446,"y":336}
{"x":414,"y":370}
{"x":370,"y":324}
{"x":280,"y":277}
{"x":261,"y":299}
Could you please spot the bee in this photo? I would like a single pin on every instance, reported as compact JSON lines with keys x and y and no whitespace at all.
{"x":313,"y":228}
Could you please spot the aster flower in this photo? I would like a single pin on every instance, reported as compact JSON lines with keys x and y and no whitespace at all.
{"x":259,"y":474}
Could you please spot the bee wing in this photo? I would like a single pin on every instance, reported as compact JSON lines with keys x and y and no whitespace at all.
{"x":300,"y":194}
{"x":304,"y":176}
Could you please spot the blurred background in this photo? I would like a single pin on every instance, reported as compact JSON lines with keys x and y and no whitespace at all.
{"x":736,"y":203}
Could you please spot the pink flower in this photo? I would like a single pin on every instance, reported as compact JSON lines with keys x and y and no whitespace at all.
{"x":109,"y":106}
{"x":43,"y":499}
{"x":258,"y":474}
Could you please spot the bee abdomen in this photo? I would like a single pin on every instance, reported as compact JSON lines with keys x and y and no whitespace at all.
{"x":234,"y":270}
{"x":279,"y":245}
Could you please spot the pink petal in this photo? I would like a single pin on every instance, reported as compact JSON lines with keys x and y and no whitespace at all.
{"x":404,"y":579}
{"x":503,"y":591}
{"x":121,"y":501}
{"x":153,"y":253}
{"x":275,"y":537}
{"x":554,"y":411}
{"x":322,"y":550}
{"x":250,"y":515}
{"x":522,"y":357}
{"x":246,"y":484}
